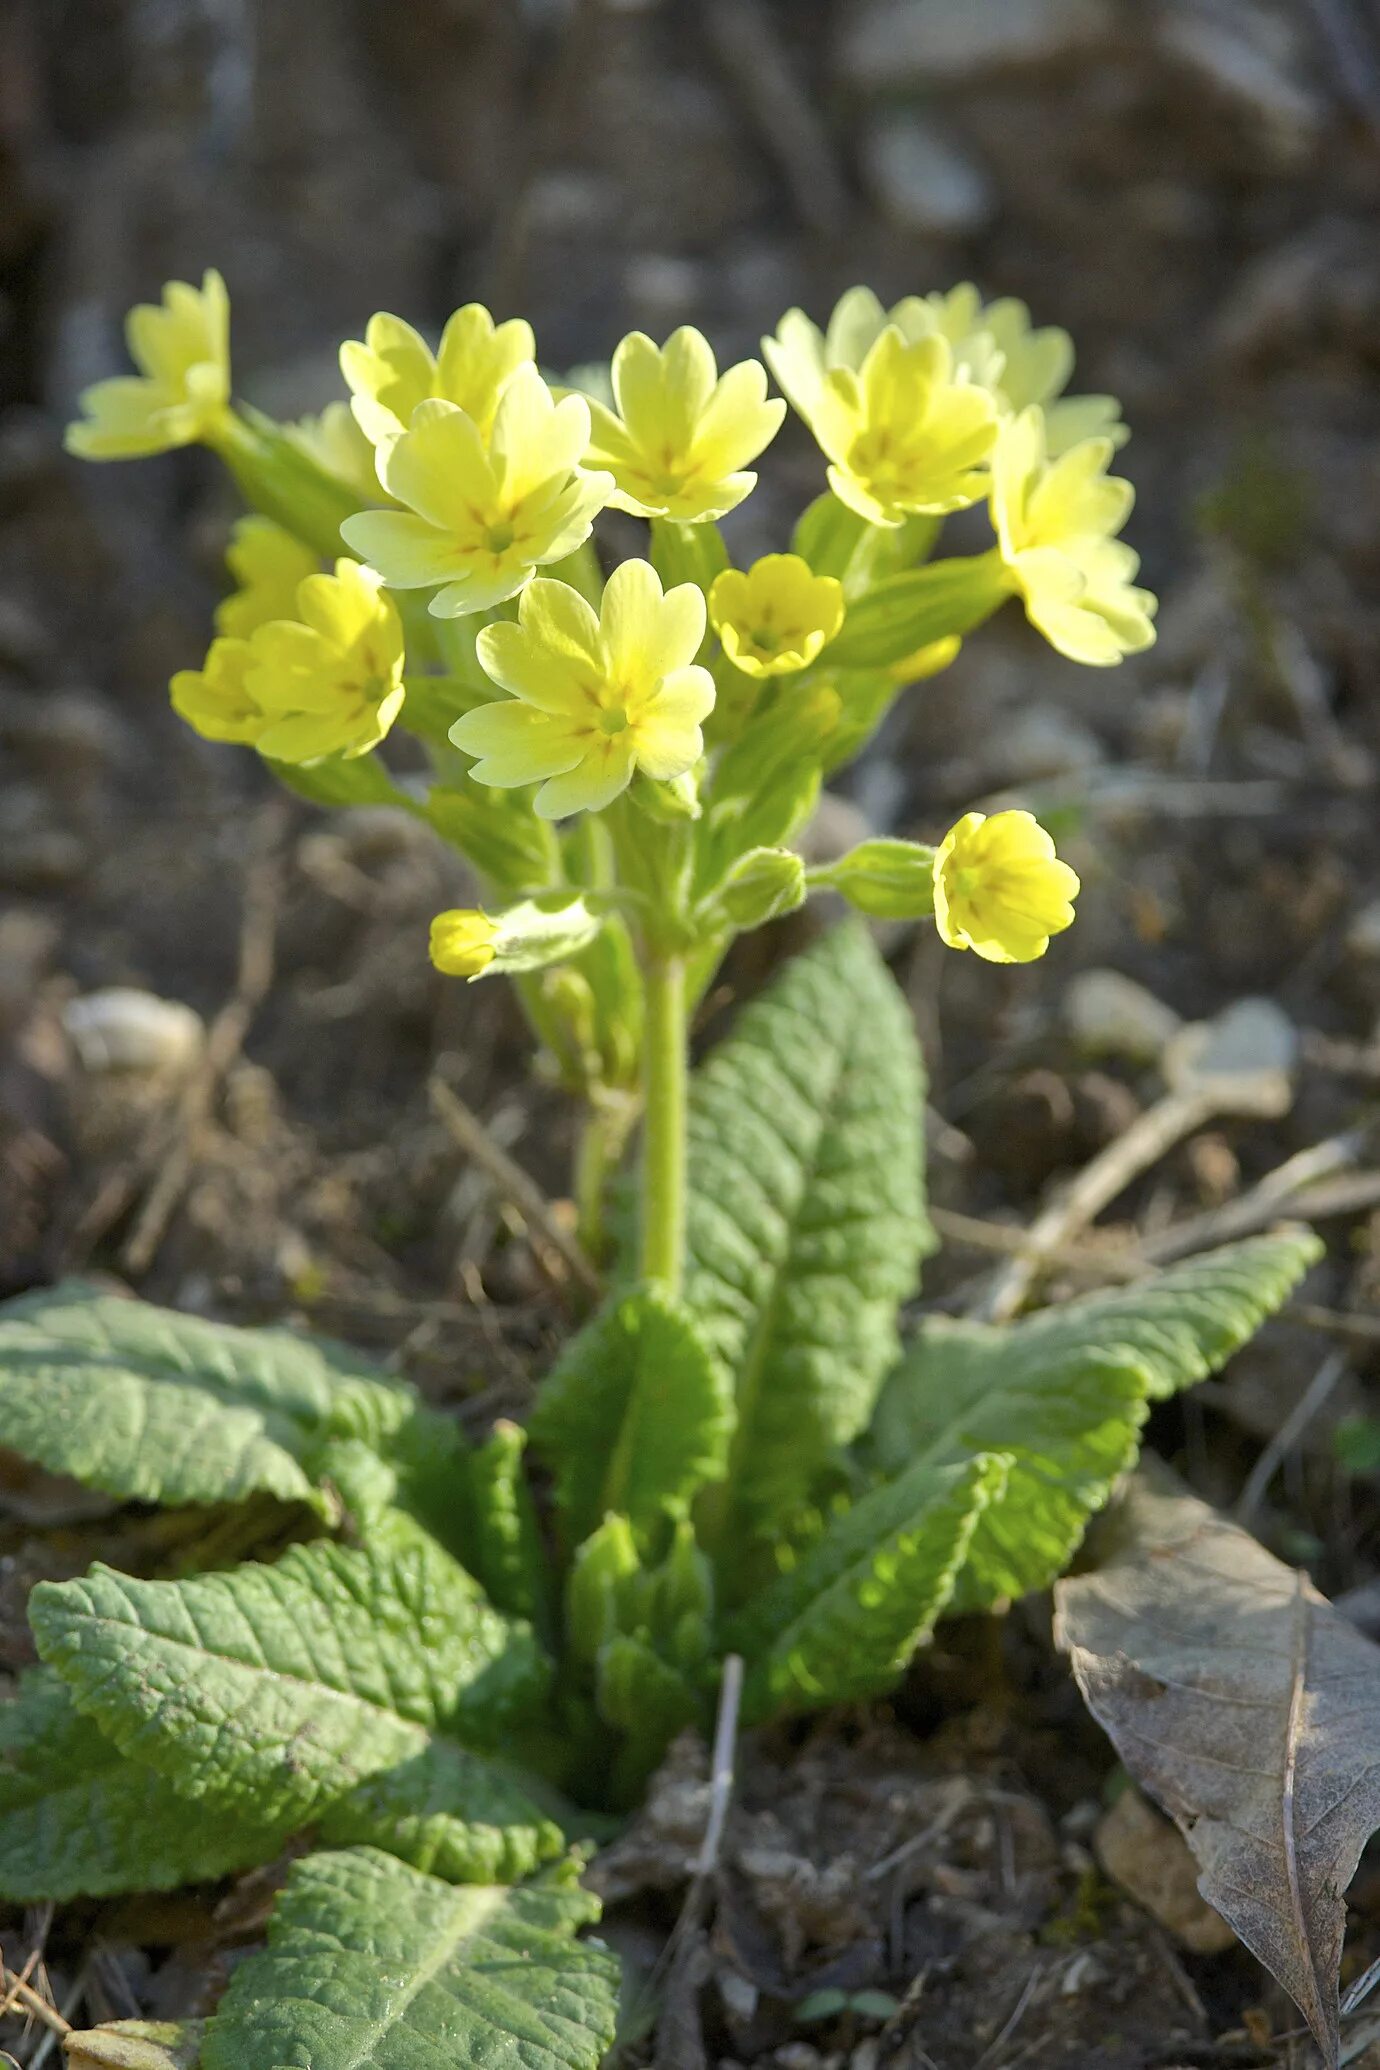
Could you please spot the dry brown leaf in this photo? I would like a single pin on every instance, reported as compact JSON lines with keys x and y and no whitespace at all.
{"x":1240,"y":1700}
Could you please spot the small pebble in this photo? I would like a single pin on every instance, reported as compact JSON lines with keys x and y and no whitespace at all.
{"x":123,"y":1029}
{"x":1109,"y":1014}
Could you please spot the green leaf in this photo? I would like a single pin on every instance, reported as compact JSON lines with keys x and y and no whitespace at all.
{"x":508,"y":1557}
{"x":79,"y":1819}
{"x":842,"y":1624}
{"x":805,"y":1216}
{"x":370,"y":1962}
{"x":279,"y":1688}
{"x":153,"y":1406}
{"x":450,"y":1812}
{"x":1065,"y":1392}
{"x":635,"y":1417}
{"x":646,"y":1699}
{"x":363,"y":780}
{"x":903,"y":612}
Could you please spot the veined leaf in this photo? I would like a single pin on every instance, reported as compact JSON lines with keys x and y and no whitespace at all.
{"x":79,"y":1819}
{"x":277,"y":1689}
{"x":451,"y":1813}
{"x":842,"y":1623}
{"x":154,"y":1406}
{"x":1241,"y":1700}
{"x":1065,"y":1392}
{"x":371,"y":1962}
{"x":634,"y":1418}
{"x":805,"y":1216}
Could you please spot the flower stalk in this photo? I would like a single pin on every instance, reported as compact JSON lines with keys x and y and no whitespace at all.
{"x":664,"y":1079}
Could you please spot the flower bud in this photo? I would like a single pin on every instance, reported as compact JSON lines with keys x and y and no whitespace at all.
{"x":548,"y":929}
{"x":762,"y":884}
{"x":888,"y":880}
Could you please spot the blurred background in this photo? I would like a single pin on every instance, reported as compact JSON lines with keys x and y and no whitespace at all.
{"x":1190,"y":186}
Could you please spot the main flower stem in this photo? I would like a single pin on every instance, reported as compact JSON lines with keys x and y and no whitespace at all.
{"x":663,"y":1123}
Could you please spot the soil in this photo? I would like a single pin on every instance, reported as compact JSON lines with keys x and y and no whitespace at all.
{"x":1192,"y":189}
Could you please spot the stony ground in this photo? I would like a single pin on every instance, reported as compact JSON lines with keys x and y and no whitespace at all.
{"x":1191,"y":186}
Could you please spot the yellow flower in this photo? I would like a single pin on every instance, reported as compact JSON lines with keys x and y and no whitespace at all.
{"x":334,"y":441}
{"x":268,"y":563}
{"x":903,"y":435}
{"x":1056,"y":522}
{"x":593,"y":700}
{"x":550,"y":928}
{"x":331,"y":682}
{"x":394,"y":368}
{"x":682,"y":434}
{"x":182,"y":390}
{"x":214,"y":699}
{"x":1000,"y":889}
{"x":995,"y":345}
{"x":463,"y":943}
{"x":777,"y":616}
{"x":481,"y":514}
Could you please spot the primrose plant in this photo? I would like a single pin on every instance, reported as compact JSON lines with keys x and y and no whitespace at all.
{"x":439,"y":1667}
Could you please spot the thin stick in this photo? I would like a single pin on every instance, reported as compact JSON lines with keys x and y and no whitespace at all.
{"x":515,"y":1186}
{"x":224,"y":1041}
{"x":1149,"y":1137}
{"x":721,"y":1766}
{"x":1292,"y":1428}
{"x":17,"y":1992}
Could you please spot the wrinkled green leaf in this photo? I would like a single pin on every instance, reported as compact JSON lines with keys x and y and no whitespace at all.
{"x":1064,"y":1393}
{"x":154,"y":1406}
{"x":369,"y":1962}
{"x":277,"y":1689}
{"x":508,"y":1558}
{"x":805,"y":1216}
{"x":842,"y":1624}
{"x":451,"y":1813}
{"x":79,"y":1819}
{"x":635,"y":1416}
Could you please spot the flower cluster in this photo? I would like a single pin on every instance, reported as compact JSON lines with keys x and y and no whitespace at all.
{"x":694,"y":705}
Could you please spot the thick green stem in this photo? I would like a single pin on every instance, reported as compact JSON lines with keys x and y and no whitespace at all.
{"x":663,"y":1123}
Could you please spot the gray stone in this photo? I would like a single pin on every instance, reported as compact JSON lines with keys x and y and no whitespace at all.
{"x":896,"y":45}
{"x":1040,"y":743}
{"x":1109,"y":1014}
{"x":921,"y":179}
{"x":1245,"y":1058}
{"x":123,"y":1029}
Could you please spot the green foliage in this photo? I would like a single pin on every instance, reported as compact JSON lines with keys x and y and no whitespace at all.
{"x":842,"y":1624}
{"x":370,"y":1961}
{"x":152,"y":1406}
{"x":276,"y":1689}
{"x":1064,"y":1393}
{"x":806,"y":1217}
{"x":451,"y":1813}
{"x":78,"y":1819}
{"x":635,"y":1417}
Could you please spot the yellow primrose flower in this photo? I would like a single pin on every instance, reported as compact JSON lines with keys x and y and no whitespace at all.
{"x":593,"y":699}
{"x":777,"y":616}
{"x":1055,"y":521}
{"x":214,"y":699}
{"x":481,"y":515}
{"x":682,"y":434}
{"x":334,"y":441}
{"x":268,"y":563}
{"x":1000,"y":889}
{"x":182,"y":390}
{"x":393,"y":368}
{"x":994,"y":344}
{"x":463,"y":943}
{"x":331,"y":682}
{"x":903,"y":435}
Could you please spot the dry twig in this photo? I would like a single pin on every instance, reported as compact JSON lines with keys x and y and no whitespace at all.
{"x":550,"y":1240}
